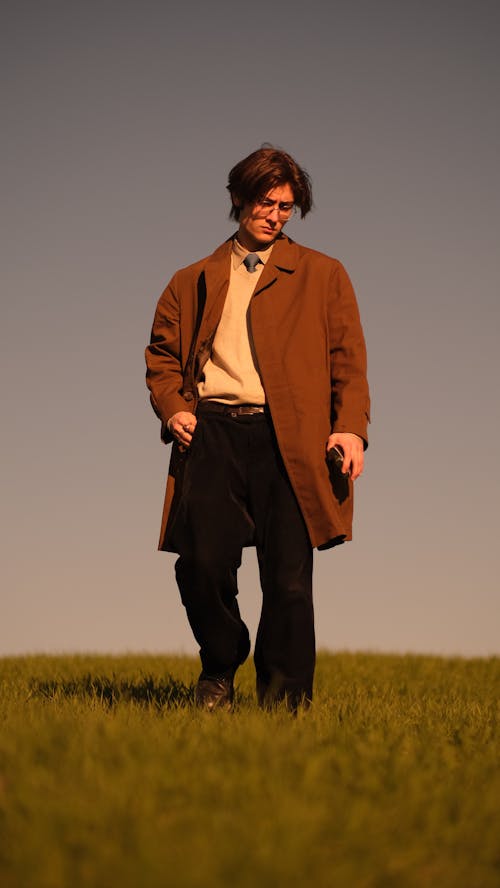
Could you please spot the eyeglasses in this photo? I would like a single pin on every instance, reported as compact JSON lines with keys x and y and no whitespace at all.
{"x":266,"y":207}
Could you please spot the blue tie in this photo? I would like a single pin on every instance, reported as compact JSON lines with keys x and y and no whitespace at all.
{"x":251,"y":261}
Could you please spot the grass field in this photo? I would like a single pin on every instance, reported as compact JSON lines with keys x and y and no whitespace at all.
{"x":109,"y":777}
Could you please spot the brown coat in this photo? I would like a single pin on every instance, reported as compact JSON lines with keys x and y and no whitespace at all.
{"x":311,"y":355}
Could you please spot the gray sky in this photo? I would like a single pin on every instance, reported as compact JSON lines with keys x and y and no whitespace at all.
{"x":121,"y":121}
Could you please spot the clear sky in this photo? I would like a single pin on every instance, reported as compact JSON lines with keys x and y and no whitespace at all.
{"x":120,"y":124}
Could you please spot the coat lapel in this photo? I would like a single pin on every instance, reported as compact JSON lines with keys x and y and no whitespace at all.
{"x":216,"y":272}
{"x":282,"y":261}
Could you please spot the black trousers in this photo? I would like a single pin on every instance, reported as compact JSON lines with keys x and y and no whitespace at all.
{"x":236,"y":493}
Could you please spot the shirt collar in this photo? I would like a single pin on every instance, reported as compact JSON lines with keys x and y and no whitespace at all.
{"x":240,"y":253}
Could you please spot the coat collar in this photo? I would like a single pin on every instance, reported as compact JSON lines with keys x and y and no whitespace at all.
{"x":283,"y":260}
{"x":284,"y":257}
{"x":285,"y":253}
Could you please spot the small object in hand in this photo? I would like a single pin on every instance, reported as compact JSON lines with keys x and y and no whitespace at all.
{"x":336,"y":456}
{"x":338,"y":479}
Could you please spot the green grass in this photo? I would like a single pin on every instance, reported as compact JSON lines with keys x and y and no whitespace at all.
{"x":109,"y":777}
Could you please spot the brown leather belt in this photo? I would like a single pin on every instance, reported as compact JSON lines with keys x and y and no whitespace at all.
{"x":230,"y":409}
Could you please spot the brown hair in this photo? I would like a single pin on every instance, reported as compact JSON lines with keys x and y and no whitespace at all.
{"x":255,"y":175}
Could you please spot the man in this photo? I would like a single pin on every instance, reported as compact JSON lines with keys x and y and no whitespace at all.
{"x":257,"y":370}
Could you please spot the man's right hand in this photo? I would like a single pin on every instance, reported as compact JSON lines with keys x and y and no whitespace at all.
{"x":181,"y":426}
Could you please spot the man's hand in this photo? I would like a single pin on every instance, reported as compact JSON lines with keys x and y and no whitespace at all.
{"x":352,"y":448}
{"x":182,"y":425}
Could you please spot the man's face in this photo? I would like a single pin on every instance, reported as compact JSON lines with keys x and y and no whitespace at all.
{"x":261,"y":223}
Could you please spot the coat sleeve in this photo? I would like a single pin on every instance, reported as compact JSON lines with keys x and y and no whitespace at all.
{"x":350,"y":394}
{"x":164,"y":376}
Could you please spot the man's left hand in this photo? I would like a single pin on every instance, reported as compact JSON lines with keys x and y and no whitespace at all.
{"x":352,"y":448}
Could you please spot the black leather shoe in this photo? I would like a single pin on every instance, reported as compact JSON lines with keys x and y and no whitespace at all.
{"x":214,"y":692}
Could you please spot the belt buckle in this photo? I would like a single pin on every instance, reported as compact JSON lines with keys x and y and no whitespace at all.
{"x":244,"y":410}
